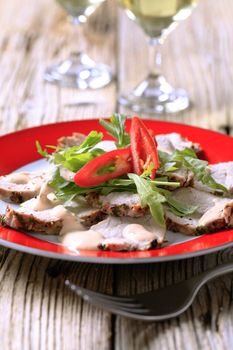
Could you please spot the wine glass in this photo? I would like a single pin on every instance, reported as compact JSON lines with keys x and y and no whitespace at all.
{"x":157,"y":18}
{"x":79,"y":70}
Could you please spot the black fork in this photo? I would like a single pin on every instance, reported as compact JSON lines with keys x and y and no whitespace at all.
{"x":156,"y":305}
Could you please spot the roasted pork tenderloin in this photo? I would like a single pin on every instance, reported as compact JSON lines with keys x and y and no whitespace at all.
{"x":222,"y":173}
{"x":24,"y":219}
{"x":213,"y":212}
{"x":76,"y":139}
{"x":117,"y":204}
{"x":171,"y":142}
{"x":19,"y":187}
{"x":126,"y":234}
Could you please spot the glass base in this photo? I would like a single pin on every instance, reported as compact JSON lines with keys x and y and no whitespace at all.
{"x":155,"y":96}
{"x":79,"y":71}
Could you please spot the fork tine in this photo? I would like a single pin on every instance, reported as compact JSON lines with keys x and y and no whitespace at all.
{"x":126,"y":304}
{"x":88,"y":293}
{"x":141,"y":311}
{"x":115,"y":306}
{"x":115,"y":309}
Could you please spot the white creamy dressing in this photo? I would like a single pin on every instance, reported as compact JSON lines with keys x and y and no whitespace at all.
{"x":42,"y":202}
{"x":72,"y":233}
{"x":18,"y":178}
{"x":137,"y":232}
{"x":88,"y":240}
{"x":75,"y":237}
{"x":134,"y":230}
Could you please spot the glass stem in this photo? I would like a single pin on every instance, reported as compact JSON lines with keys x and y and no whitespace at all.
{"x":155,"y":57}
{"x":78,"y":42}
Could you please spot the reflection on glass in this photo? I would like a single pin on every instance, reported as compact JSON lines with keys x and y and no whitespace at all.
{"x":79,"y":70}
{"x":157,"y":18}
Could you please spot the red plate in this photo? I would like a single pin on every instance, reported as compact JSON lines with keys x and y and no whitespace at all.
{"x":19,"y":149}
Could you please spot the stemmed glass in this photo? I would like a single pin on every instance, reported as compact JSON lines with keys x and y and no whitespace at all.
{"x":157,"y":18}
{"x":79,"y":70}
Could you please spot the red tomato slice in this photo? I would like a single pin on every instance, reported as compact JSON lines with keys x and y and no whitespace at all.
{"x":143,"y":148}
{"x":94,"y":172}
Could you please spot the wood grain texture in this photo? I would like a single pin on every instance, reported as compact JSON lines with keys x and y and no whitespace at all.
{"x":36,"y":310}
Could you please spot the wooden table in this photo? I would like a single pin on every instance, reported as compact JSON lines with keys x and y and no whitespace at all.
{"x":36,"y":310}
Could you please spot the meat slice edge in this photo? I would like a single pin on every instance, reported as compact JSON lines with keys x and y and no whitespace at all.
{"x":222,"y":173}
{"x":34,"y":221}
{"x":214,"y":213}
{"x":19,"y":187}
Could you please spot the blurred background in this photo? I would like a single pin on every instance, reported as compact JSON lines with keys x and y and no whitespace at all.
{"x":197,"y":56}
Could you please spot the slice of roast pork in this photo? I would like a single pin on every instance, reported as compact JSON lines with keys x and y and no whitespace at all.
{"x":89,"y":217}
{"x":222,"y":173}
{"x":47,"y":220}
{"x":117,"y":204}
{"x":127,"y":234}
{"x":213,"y":213}
{"x":19,"y":187}
{"x":184,"y":176}
{"x":24,"y":219}
{"x":174,"y":141}
{"x":76,"y":139}
{"x":119,"y":234}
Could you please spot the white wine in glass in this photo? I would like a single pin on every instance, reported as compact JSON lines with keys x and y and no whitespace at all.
{"x":79,"y":70}
{"x":157,"y":18}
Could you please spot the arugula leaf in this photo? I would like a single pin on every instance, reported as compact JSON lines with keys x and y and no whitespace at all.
{"x":66,"y":190}
{"x":42,"y":152}
{"x":92,"y":139}
{"x":116,"y":128}
{"x":199,"y":167}
{"x":74,"y":158}
{"x":149,"y":196}
{"x":154,"y":197}
{"x":187,"y":158}
{"x":177,"y":207}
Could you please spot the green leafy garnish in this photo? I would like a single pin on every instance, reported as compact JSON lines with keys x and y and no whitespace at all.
{"x":187,"y":159}
{"x":64,"y":188}
{"x":74,"y":158}
{"x":177,"y":207}
{"x":92,"y":139}
{"x":42,"y":152}
{"x":154,"y":197}
{"x":150,"y":197}
{"x":116,"y":128}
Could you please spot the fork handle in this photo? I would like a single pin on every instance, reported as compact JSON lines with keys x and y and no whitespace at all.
{"x":216,"y":271}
